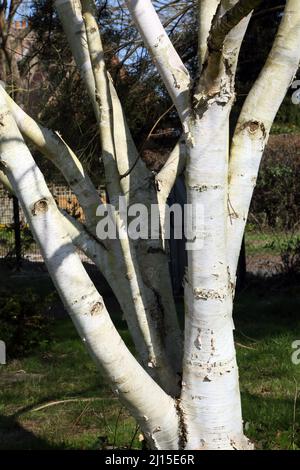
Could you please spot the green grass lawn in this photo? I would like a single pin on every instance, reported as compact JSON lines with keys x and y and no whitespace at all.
{"x":267,"y":321}
{"x":260,"y":243}
{"x":267,"y":242}
{"x":60,"y":371}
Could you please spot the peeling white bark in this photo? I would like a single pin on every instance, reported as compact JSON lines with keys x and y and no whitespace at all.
{"x":210,"y":397}
{"x":210,"y":391}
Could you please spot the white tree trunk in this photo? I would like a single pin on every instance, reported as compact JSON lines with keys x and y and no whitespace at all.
{"x":210,"y":387}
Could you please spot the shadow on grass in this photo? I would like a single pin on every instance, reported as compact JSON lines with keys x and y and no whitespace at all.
{"x":268,"y":307}
{"x":14,"y":436}
{"x":35,"y":276}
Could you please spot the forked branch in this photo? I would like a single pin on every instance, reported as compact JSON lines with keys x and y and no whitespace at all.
{"x":223,"y":25}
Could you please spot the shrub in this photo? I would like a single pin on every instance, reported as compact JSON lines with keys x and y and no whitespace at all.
{"x":276,"y":199}
{"x":24,"y":322}
{"x":290,"y":255}
{"x":288,"y":246}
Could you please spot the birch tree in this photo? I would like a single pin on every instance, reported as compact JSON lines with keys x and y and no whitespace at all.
{"x":182,"y":388}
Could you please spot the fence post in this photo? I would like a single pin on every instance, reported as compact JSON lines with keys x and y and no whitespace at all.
{"x":17,"y":231}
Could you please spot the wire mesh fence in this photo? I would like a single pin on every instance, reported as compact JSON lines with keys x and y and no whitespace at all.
{"x":16,"y":240}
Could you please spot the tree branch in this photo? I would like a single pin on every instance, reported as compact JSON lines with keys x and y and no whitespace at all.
{"x":136,"y":390}
{"x":223,"y":25}
{"x":174,"y":167}
{"x":56,"y":150}
{"x":103,"y":99}
{"x":218,"y":76}
{"x":135,"y":186}
{"x":117,"y":141}
{"x":206,"y":12}
{"x":171,"y":68}
{"x":254,"y":124}
{"x":117,"y":272}
{"x":5,"y":181}
{"x":69,"y":12}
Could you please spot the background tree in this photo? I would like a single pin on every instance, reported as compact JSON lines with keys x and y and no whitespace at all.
{"x":16,"y":63}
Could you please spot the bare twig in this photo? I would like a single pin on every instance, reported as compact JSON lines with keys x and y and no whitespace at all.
{"x":240,"y":345}
{"x":70,"y":400}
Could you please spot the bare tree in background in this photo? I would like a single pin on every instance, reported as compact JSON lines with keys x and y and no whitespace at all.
{"x":14,"y":43}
